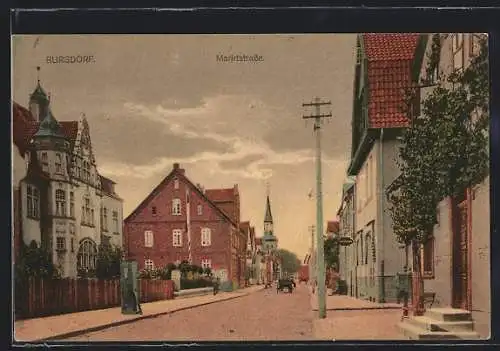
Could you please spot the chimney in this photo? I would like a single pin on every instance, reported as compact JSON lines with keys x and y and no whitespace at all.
{"x":176,"y":165}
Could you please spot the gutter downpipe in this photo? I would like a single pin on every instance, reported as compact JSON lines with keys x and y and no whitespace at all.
{"x":381,"y":218}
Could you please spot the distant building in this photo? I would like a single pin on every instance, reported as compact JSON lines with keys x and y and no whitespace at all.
{"x":346,"y":214}
{"x":180,"y":221}
{"x":250,"y":269}
{"x":59,"y":195}
{"x":382,"y":73}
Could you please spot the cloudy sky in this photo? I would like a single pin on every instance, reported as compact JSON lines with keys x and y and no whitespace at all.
{"x":153,"y":100}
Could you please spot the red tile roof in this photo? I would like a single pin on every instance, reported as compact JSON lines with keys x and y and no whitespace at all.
{"x":389,"y":74}
{"x":332,"y":227}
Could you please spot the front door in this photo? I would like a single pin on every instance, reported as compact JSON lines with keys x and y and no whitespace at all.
{"x":460,"y":255}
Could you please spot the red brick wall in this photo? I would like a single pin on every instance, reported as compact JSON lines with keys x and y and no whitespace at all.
{"x":163,"y":223}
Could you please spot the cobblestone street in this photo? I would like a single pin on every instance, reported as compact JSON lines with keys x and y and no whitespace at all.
{"x":263,"y":315}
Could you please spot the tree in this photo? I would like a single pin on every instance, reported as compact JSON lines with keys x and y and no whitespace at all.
{"x":331,"y":249}
{"x":108,"y":262}
{"x":34,"y":261}
{"x":444,"y":151}
{"x":289,"y":261}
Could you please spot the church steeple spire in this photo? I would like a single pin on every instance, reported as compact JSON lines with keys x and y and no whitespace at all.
{"x":268,"y":217}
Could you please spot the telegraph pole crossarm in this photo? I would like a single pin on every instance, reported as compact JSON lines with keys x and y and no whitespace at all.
{"x":320,"y":255}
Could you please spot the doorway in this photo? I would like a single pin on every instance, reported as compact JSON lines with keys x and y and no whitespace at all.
{"x":460,"y":250}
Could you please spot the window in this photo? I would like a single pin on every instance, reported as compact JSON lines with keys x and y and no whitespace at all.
{"x":45,"y":161}
{"x":72,"y":245}
{"x":33,"y":202}
{"x":148,"y":238}
{"x":367,"y":247}
{"x":153,"y":210}
{"x":60,"y":243}
{"x":59,"y":168}
{"x":149,"y":265}
{"x":104,"y":224}
{"x":87,"y":212}
{"x":115,"y":222}
{"x":72,"y":204}
{"x":177,"y":237}
{"x":60,"y":203}
{"x":176,"y":183}
{"x":205,"y":237}
{"x":86,"y":171}
{"x":199,"y":210}
{"x":176,"y":207}
{"x":357,"y":252}
{"x":458,"y":51}
{"x":79,"y":168}
{"x":206,"y":263}
{"x":87,"y":255}
{"x":427,"y":258}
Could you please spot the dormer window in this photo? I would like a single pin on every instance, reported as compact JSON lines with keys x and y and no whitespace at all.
{"x":153,"y":210}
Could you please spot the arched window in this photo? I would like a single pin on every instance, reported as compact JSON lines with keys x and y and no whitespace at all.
{"x":87,"y":255}
{"x":60,"y":203}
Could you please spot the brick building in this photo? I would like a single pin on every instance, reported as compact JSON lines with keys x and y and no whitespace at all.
{"x":179,"y":221}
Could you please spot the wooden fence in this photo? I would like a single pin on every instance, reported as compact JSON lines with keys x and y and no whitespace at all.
{"x":44,"y":297}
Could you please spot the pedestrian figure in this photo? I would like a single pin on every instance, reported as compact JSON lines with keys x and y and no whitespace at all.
{"x":216,"y":285}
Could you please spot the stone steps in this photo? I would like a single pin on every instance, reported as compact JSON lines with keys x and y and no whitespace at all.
{"x":440,"y":324}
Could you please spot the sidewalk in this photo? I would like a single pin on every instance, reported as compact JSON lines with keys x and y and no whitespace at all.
{"x":348,"y":318}
{"x":72,"y":324}
{"x":347,"y":303}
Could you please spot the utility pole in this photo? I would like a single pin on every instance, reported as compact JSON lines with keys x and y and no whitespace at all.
{"x":311,"y":262}
{"x":320,"y":254}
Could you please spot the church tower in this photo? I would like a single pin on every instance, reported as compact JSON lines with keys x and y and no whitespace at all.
{"x":269,"y":240}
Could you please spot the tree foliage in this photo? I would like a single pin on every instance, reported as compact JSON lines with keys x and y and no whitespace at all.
{"x":331,"y":249}
{"x":289,"y":261}
{"x":108,"y":262}
{"x":444,"y":150}
{"x":34,"y":262}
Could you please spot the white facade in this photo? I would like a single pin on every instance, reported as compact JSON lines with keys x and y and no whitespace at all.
{"x":456,"y":52}
{"x":64,"y":210}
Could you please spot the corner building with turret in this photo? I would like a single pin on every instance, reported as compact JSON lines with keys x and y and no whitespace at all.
{"x":60,"y":201}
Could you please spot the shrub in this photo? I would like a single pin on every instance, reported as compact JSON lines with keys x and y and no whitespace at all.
{"x":195,"y":283}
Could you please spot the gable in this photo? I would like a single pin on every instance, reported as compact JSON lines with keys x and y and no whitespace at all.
{"x":163,"y":188}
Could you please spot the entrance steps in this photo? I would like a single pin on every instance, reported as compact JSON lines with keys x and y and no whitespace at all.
{"x":440,"y":324}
